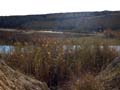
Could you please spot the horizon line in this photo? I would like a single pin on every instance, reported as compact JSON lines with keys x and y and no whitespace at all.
{"x":52,"y":13}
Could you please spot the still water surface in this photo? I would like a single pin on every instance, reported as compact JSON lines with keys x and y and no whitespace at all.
{"x":9,"y":48}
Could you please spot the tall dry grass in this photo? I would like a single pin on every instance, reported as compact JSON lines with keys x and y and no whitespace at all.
{"x":48,"y":61}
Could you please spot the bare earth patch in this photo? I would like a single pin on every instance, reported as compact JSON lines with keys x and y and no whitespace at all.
{"x":13,"y":80}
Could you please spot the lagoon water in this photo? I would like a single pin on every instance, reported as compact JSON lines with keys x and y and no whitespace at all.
{"x":6,"y":49}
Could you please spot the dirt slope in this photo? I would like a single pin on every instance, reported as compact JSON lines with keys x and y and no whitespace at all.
{"x":110,"y":77}
{"x":13,"y":80}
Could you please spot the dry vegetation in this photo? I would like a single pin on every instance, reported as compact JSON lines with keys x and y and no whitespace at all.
{"x":63,"y":63}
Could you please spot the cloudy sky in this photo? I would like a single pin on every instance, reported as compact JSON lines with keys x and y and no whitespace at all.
{"x":25,"y":7}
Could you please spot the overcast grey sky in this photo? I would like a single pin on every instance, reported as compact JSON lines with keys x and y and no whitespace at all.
{"x":25,"y":7}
